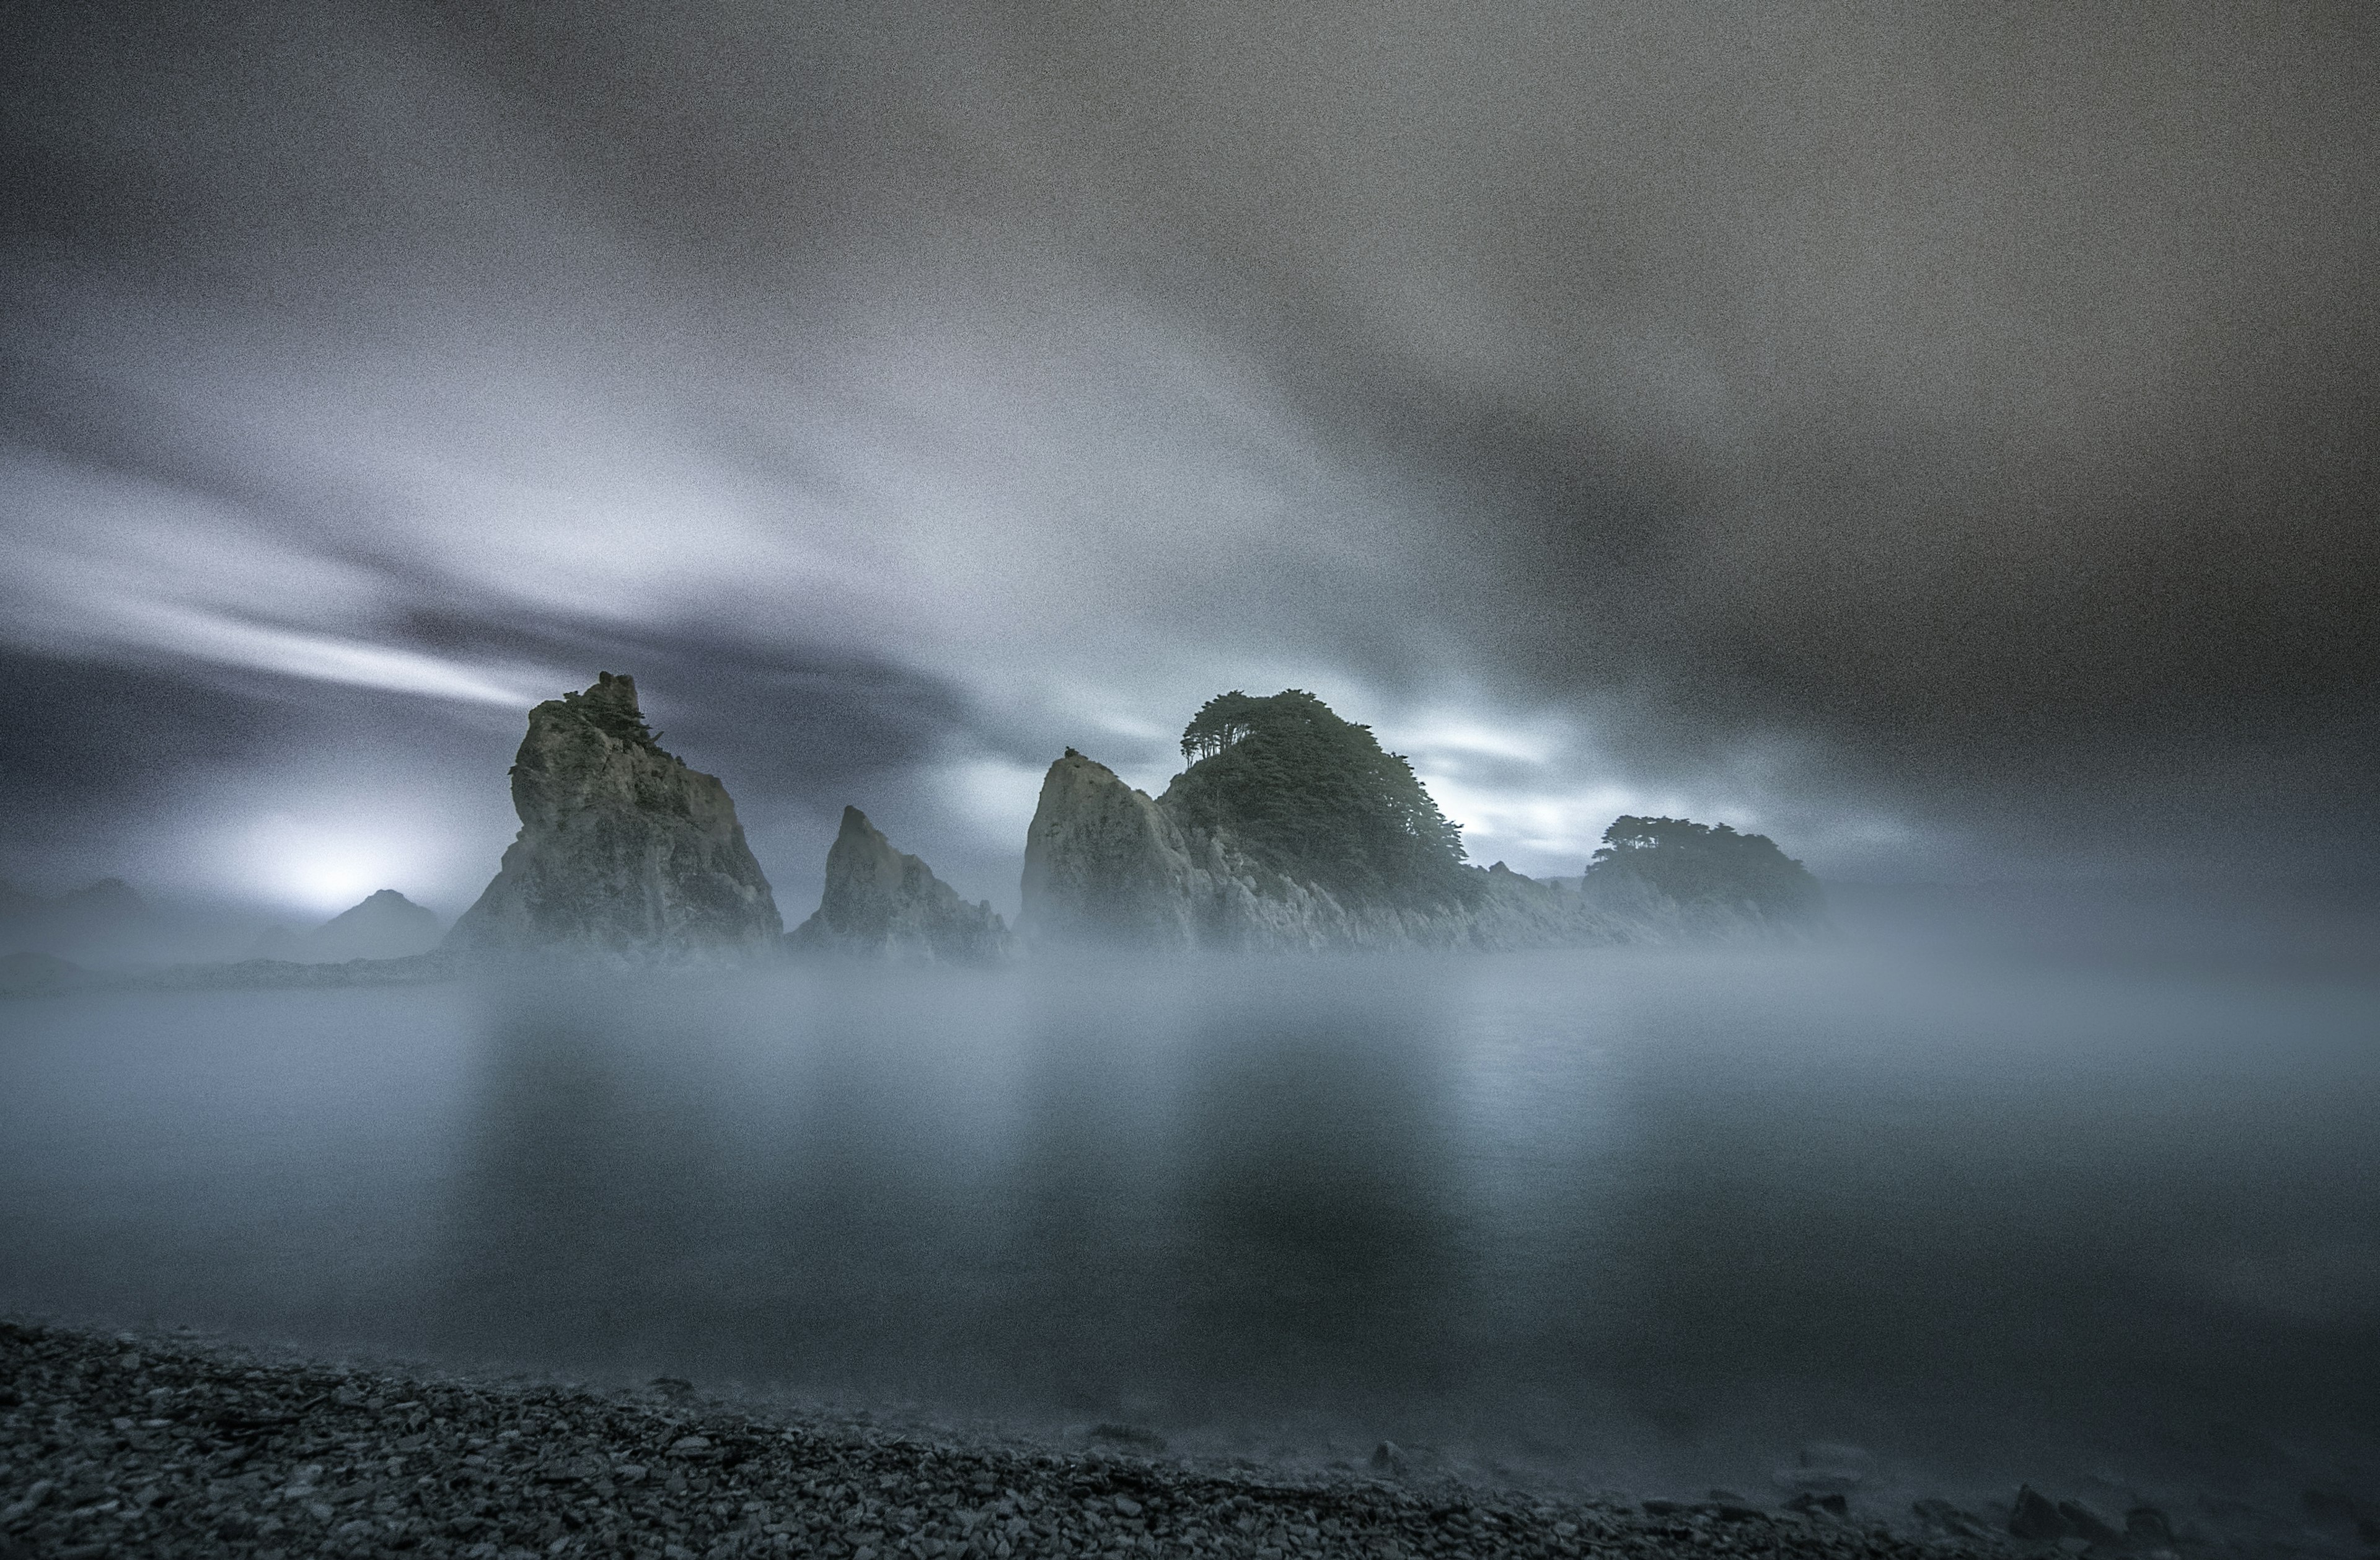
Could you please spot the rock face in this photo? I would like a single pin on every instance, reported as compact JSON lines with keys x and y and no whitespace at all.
{"x":1106,"y":865}
{"x":881,"y":904}
{"x":624,"y":852}
{"x":1103,"y":864}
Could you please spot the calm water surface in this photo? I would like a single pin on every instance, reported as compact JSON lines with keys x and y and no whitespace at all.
{"x":1634,"y":1218}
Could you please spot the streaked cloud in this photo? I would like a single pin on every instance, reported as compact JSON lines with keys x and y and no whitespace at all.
{"x":1781,"y":415}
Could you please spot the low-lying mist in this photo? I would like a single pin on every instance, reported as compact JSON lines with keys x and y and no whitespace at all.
{"x":1653,"y":1218}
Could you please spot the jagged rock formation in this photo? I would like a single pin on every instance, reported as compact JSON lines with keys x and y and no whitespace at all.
{"x":624,"y":852}
{"x":1294,"y":829}
{"x":386,"y":925}
{"x":1106,"y":865}
{"x":881,"y":904}
{"x":1103,"y":864}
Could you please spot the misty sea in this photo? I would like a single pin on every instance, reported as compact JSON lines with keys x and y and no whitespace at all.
{"x":1636,"y":1219}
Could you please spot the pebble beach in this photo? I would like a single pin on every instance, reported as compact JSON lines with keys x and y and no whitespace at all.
{"x":116,"y":1445}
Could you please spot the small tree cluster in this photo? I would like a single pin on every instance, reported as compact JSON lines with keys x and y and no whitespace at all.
{"x":611,"y":707}
{"x":1220,"y":722}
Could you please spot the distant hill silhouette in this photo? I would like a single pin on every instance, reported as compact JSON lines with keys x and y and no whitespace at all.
{"x":103,"y":922}
{"x":1704,"y":869}
{"x":385,"y":925}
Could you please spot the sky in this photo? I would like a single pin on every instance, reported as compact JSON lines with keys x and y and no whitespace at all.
{"x":1942,"y":440}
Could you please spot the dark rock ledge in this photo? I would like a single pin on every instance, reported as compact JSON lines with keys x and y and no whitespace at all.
{"x":116,"y":1444}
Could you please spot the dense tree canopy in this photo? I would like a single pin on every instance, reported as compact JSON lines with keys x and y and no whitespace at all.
{"x":1708,"y":864}
{"x":1315,"y":797}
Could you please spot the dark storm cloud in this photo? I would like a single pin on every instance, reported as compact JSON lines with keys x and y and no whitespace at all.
{"x":1985,"y":404}
{"x":91,"y":742}
{"x":1925,"y":435}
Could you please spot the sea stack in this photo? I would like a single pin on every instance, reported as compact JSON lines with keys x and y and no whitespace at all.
{"x":1109,"y":867}
{"x":881,"y":904}
{"x":624,"y":852}
{"x":1292,"y":831}
{"x":1105,"y":866}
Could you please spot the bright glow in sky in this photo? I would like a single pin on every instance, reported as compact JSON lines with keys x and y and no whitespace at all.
{"x":320,"y":864}
{"x":322,"y":852}
{"x":994,"y":795}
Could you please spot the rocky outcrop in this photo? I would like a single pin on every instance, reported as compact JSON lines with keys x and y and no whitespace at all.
{"x":1106,"y":865}
{"x":624,"y":852}
{"x":881,"y":904}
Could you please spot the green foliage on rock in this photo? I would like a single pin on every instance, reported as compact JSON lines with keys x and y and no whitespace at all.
{"x":1705,"y":864}
{"x":611,"y":707}
{"x":1317,"y":798}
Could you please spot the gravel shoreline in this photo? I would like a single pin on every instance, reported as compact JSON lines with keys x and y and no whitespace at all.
{"x":118,"y":1444}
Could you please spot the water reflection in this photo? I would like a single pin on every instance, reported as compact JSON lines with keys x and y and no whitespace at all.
{"x":590,"y":1182}
{"x":1317,"y":1251}
{"x":1097,"y":1201}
